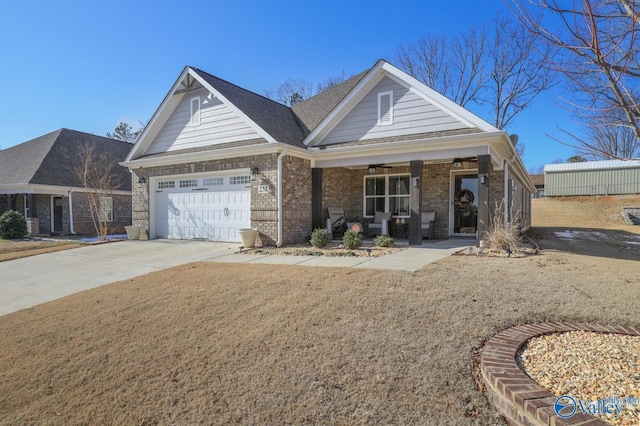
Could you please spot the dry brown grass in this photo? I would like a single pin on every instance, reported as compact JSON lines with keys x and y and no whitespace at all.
{"x":10,"y":250}
{"x":211,"y":343}
{"x":583,"y":212}
{"x":217,"y":344}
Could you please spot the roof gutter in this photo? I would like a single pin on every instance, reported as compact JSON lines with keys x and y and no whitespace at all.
{"x":279,"y":162}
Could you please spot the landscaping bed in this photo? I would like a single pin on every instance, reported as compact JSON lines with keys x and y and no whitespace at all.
{"x":332,"y":250}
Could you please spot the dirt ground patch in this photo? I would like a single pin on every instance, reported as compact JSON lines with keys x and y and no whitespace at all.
{"x":590,"y":226}
{"x":10,"y":249}
{"x":216,"y":344}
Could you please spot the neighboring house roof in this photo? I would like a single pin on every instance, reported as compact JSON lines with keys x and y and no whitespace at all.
{"x":47,"y":160}
{"x":592,"y":165}
{"x":538,"y":180}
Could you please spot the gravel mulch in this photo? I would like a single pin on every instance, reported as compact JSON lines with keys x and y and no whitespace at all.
{"x":333,"y":249}
{"x":588,"y":366}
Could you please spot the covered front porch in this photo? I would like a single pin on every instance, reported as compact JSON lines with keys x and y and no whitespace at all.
{"x":456,"y":189}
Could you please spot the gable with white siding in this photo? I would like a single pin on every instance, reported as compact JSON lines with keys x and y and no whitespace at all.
{"x":217,"y":124}
{"x":410,"y":113}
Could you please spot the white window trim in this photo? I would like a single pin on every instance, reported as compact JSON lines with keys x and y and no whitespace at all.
{"x":387,"y":196}
{"x":194,"y":119}
{"x":390,"y":120}
{"x":108,"y":209}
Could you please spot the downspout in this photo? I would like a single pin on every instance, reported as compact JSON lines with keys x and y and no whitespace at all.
{"x":506,"y":189}
{"x":279,"y":162}
{"x":69,"y":193}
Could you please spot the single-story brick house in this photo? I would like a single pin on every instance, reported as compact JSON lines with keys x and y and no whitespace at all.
{"x":216,"y":158}
{"x":37,"y":179}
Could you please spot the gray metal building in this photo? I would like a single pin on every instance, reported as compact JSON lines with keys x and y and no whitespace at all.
{"x":609,"y":177}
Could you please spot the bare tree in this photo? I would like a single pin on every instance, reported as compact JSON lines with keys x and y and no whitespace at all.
{"x":291,"y":91}
{"x":498,"y":64}
{"x":96,"y":172}
{"x":453,"y":67}
{"x":611,"y":141}
{"x":600,"y":57}
{"x":330,"y":82}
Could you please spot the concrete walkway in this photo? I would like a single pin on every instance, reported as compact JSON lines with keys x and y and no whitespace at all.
{"x":33,"y":280}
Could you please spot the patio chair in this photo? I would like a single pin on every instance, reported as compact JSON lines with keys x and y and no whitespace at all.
{"x":336,"y":220}
{"x":428,"y":224}
{"x":380,"y":224}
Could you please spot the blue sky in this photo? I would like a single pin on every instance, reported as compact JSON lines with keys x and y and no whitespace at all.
{"x":89,"y":65}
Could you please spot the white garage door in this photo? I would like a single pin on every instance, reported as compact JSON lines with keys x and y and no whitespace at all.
{"x":209,"y":208}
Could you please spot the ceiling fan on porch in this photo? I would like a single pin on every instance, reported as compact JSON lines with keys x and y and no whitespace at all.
{"x":457,"y":163}
{"x":373,"y":167}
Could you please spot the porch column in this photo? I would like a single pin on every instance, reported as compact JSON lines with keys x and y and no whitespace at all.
{"x":316,"y":198}
{"x":33,"y":209}
{"x":415,"y":185}
{"x":484,"y":202}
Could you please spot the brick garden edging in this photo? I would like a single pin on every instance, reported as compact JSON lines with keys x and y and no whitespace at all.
{"x":518,"y":398}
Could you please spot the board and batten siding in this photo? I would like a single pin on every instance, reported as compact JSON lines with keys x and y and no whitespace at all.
{"x":411,"y":114}
{"x":218,"y":124}
{"x":592,"y":182}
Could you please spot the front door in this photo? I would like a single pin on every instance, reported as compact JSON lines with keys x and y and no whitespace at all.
{"x":57,"y":215}
{"x":465,"y":204}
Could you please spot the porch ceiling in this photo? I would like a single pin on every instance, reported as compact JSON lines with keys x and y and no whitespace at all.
{"x":403,"y":159}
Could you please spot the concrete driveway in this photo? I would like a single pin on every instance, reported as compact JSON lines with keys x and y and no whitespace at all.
{"x":33,"y":280}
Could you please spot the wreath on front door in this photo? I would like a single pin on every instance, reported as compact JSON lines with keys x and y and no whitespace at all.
{"x":464,"y":198}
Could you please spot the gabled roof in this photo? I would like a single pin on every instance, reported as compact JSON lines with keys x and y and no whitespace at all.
{"x":368,"y":80}
{"x":276,"y":119}
{"x":46,"y":160}
{"x":305,"y":123}
{"x":313,"y":110}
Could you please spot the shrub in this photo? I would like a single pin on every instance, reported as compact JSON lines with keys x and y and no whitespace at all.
{"x":319,"y":237}
{"x":352,"y":239}
{"x":499,"y":237}
{"x":384,"y":241}
{"x":12,"y":225}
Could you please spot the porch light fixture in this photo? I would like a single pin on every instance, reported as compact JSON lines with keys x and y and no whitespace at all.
{"x":457,"y":163}
{"x":254,"y":173}
{"x":142,"y":179}
{"x":372,"y":169}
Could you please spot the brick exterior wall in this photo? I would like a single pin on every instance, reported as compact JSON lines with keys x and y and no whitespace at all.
{"x":264,"y":206}
{"x":82,"y":219}
{"x":435,"y":195}
{"x":296,"y":203}
{"x":341,"y":187}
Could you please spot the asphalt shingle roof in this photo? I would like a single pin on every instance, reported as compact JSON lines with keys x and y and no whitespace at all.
{"x":46,"y":160}
{"x":284,"y":124}
{"x":276,"y":119}
{"x":313,"y":110}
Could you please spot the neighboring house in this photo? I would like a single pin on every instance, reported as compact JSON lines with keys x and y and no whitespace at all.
{"x":216,"y":158}
{"x":38,"y":180}
{"x":538,"y":182}
{"x":607,"y":177}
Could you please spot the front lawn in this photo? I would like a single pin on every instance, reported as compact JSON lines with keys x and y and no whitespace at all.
{"x":10,"y":249}
{"x":211,"y":343}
